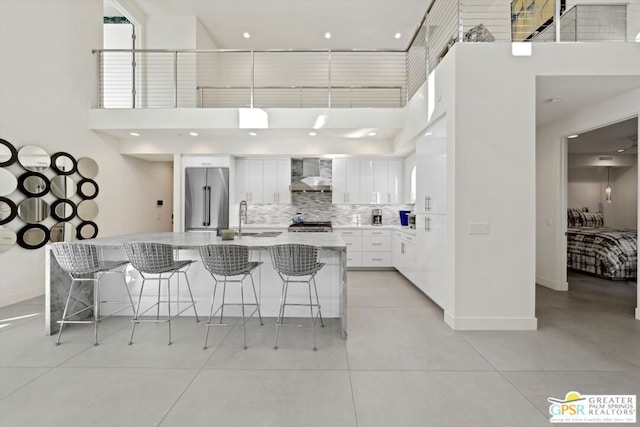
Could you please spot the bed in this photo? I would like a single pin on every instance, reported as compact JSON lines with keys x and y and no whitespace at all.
{"x":593,"y":248}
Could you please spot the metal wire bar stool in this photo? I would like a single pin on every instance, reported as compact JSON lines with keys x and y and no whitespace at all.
{"x":230,"y":261}
{"x":295,"y":260}
{"x":158,"y":260}
{"x":84,"y":263}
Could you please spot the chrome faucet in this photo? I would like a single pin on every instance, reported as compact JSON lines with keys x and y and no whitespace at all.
{"x":242,"y":214}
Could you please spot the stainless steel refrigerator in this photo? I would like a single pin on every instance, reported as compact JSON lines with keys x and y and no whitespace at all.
{"x":206,"y":192}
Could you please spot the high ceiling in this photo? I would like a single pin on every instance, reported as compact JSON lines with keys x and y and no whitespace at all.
{"x":300,"y":24}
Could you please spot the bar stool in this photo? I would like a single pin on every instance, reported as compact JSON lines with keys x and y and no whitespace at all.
{"x":295,"y":260}
{"x":84,"y":263}
{"x":158,"y":259}
{"x":230,"y":261}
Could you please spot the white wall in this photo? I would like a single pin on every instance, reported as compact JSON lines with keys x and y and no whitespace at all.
{"x":584,"y":188}
{"x":622,"y":212}
{"x":49,"y":106}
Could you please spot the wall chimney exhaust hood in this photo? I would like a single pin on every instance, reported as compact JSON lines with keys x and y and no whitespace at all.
{"x":311,"y":175}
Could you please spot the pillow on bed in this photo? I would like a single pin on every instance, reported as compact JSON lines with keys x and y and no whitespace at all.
{"x":591,"y":219}
{"x":573,"y":216}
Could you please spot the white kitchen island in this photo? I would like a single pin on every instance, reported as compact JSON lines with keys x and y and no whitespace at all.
{"x":331,"y":280}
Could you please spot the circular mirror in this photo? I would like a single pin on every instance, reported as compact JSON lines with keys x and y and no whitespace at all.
{"x":87,"y":230}
{"x":34,"y":158}
{"x":88,"y":210}
{"x":8,"y":182}
{"x":87,"y":167}
{"x":7,"y":239}
{"x":64,"y":163}
{"x":8,"y":210}
{"x":33,"y":184}
{"x":63,"y":210}
{"x":88,"y":189}
{"x":8,"y":153}
{"x":33,"y":210}
{"x":63,"y":187}
{"x":33,"y":236}
{"x":63,"y":232}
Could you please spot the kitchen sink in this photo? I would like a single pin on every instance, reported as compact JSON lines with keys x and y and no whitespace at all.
{"x":263,"y":234}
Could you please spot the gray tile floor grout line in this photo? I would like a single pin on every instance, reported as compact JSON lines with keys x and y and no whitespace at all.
{"x":195,"y":376}
{"x":28,"y":383}
{"x":353,"y":397}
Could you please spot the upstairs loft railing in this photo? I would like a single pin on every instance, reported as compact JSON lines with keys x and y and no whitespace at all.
{"x":239,"y":78}
{"x":155,"y":78}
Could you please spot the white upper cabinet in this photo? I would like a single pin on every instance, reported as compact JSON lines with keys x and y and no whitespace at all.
{"x":431,"y":175}
{"x":394,"y":182}
{"x":346,"y":181}
{"x":263,"y":181}
{"x":277,"y":178}
{"x":367,"y":183}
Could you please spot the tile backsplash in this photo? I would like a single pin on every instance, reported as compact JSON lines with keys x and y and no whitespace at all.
{"x":318,"y":207}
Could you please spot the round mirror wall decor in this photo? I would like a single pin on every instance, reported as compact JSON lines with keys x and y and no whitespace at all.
{"x":8,"y":153}
{"x":33,"y":184}
{"x":88,"y":189}
{"x":33,"y":210}
{"x":8,"y":182}
{"x":7,"y":239}
{"x":8,"y":210}
{"x":33,"y":236}
{"x":34,"y":158}
{"x":87,"y":230}
{"x":64,"y":163}
{"x":88,"y":210}
{"x":63,"y":232}
{"x":87,"y":167}
{"x":63,"y":187}
{"x":63,"y":210}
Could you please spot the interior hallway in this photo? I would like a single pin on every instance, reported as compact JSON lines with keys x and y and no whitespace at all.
{"x":401,"y":365}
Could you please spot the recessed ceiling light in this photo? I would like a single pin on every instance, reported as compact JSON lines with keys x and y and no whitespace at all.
{"x":134,"y":134}
{"x":555,"y":99}
{"x":398,"y":35}
{"x":312,"y":134}
{"x":246,"y":35}
{"x":621,"y":150}
{"x":371,"y":134}
{"x":572,"y":136}
{"x":193,"y":133}
{"x":327,"y":35}
{"x":428,"y":133}
{"x":253,"y":134}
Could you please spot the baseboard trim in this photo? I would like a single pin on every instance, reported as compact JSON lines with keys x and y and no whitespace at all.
{"x":21,"y":296}
{"x":491,"y":323}
{"x":548,"y":283}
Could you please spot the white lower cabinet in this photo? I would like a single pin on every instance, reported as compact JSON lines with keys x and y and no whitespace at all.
{"x":404,"y":255}
{"x":431,"y":250}
{"x":367,"y":248}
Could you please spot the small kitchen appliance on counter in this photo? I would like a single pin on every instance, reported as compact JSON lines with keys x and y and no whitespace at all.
{"x":376,"y":216}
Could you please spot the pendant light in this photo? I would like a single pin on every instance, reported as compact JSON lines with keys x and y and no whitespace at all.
{"x":607,"y":190}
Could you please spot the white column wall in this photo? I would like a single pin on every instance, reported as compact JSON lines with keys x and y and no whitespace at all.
{"x":48,"y":82}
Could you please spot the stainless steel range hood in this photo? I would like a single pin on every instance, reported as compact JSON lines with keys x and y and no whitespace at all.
{"x":311,"y":175}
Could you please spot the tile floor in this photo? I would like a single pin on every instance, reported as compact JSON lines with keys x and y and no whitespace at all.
{"x":401,"y":366}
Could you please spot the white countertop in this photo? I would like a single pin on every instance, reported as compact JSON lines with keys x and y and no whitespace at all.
{"x":196,"y":239}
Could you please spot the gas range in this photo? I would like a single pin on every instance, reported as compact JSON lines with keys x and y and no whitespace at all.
{"x":312,"y":226}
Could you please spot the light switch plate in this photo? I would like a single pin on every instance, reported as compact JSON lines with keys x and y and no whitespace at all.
{"x":478,"y":228}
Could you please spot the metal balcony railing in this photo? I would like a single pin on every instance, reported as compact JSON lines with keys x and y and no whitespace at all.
{"x":154,"y":78}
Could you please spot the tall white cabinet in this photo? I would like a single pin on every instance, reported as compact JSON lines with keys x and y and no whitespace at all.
{"x":346,"y":181}
{"x":431,"y":217}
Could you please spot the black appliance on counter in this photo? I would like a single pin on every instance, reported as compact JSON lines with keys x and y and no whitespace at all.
{"x":311,"y":226}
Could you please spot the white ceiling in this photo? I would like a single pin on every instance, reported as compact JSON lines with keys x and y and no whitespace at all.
{"x":608,"y":139}
{"x":300,"y":24}
{"x":576,"y":93}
